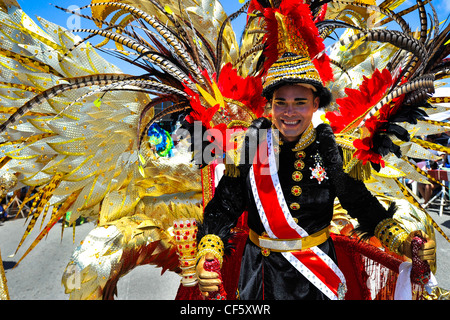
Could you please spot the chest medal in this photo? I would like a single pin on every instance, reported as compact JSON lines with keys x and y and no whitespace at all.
{"x":318,"y":172}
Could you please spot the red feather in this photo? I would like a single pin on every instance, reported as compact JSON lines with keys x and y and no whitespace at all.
{"x":254,"y":6}
{"x":247,"y":90}
{"x":321,"y":16}
{"x":271,"y":39}
{"x":358,"y":101}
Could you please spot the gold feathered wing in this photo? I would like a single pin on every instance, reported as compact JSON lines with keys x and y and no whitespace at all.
{"x":77,"y":148}
{"x":355,"y":57}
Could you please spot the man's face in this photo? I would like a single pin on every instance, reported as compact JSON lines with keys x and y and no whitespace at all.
{"x":293,"y":107}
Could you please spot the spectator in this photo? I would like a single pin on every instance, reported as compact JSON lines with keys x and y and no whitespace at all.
{"x":427,"y":190}
{"x":3,"y":212}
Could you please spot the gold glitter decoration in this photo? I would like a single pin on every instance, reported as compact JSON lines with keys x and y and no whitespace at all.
{"x":300,"y":154}
{"x":288,"y":38}
{"x":291,"y":67}
{"x":211,"y":244}
{"x":4,"y":294}
{"x":307,"y":138}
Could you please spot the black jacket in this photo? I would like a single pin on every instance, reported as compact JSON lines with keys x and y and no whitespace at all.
{"x":273,"y":277}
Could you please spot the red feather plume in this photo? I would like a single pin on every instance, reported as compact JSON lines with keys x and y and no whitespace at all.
{"x":356,"y":103}
{"x":247,"y":91}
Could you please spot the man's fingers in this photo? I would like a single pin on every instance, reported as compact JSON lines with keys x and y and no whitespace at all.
{"x":428,"y":256}
{"x":209,"y":285}
{"x":428,"y":251}
{"x":429,"y":245}
{"x":208,"y":275}
{"x":208,"y":289}
{"x":207,"y":281}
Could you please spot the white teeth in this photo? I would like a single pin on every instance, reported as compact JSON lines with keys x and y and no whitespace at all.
{"x":290,"y":122}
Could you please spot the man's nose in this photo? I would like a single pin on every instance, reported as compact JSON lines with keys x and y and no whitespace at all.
{"x":290,"y":109}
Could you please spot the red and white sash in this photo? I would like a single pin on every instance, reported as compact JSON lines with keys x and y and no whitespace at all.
{"x":278,"y":222}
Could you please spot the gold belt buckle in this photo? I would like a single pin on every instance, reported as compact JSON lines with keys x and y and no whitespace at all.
{"x":265,"y":251}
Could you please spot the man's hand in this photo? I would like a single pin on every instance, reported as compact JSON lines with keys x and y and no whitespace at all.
{"x":426,"y":253}
{"x":207,"y":281}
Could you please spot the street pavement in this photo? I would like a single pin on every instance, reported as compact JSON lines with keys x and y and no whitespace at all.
{"x":38,"y":276}
{"x":443,"y":247}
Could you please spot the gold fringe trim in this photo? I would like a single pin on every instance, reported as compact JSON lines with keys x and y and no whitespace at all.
{"x":354,"y":167}
{"x":232,"y":170}
{"x":207,"y":184}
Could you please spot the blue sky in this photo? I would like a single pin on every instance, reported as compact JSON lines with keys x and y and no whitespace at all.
{"x":43,"y":8}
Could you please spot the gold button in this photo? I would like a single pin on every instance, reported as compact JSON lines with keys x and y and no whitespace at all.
{"x":299,"y":165}
{"x":296,"y":191}
{"x":300,"y":154}
{"x":294,"y":206}
{"x":297,"y":176}
{"x":265,"y":252}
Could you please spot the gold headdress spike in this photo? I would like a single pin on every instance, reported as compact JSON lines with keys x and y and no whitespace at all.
{"x":288,"y":40}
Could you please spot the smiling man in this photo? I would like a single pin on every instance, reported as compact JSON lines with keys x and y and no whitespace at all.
{"x":293,"y":107}
{"x":289,"y":253}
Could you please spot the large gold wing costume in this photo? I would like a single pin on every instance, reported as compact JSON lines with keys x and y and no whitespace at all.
{"x":74,"y":126}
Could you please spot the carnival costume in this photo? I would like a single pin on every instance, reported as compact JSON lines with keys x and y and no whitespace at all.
{"x":75,"y":132}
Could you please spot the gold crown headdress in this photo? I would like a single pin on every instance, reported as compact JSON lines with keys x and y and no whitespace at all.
{"x":294,"y":50}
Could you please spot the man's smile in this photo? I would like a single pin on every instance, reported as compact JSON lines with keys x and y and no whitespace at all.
{"x":290,"y":122}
